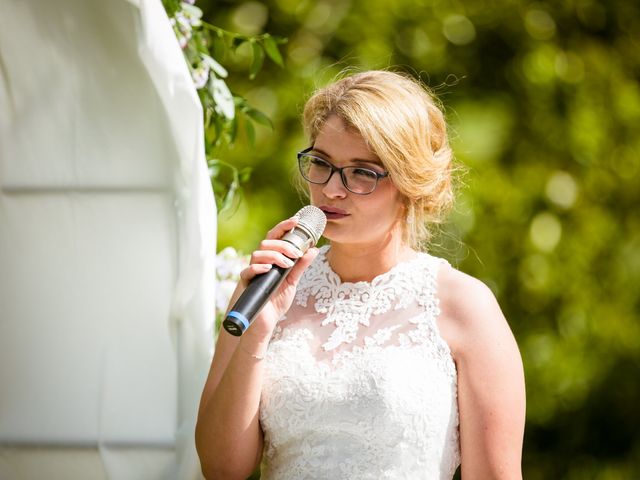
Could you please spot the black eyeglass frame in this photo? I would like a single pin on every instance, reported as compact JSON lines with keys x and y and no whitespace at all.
{"x":334,"y":169}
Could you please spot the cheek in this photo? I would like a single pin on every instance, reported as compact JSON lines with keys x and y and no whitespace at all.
{"x":389,"y":202}
{"x":314,"y":193}
{"x":382,"y":211}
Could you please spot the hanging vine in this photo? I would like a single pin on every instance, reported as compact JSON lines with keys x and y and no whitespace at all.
{"x":224,"y":111}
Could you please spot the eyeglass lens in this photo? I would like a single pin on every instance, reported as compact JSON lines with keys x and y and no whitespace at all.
{"x":355,"y":179}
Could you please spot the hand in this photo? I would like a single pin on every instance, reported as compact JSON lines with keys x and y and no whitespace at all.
{"x":273,"y":251}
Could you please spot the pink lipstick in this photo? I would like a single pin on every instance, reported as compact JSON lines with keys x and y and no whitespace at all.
{"x":333,"y":213}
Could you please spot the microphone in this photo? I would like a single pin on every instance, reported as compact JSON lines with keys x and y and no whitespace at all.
{"x":311,"y":223}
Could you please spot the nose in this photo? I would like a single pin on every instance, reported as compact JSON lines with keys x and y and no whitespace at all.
{"x":334,"y":188}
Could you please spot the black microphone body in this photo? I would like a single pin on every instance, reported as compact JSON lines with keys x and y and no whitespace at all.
{"x":253,"y":299}
{"x":310,"y":226}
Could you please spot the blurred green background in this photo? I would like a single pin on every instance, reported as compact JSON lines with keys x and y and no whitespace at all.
{"x":543,"y":103}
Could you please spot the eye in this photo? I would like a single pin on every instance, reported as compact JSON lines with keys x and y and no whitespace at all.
{"x":318,"y":162}
{"x":364,"y":173}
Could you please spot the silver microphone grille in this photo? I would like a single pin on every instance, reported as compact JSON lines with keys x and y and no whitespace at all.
{"x":313,"y":220}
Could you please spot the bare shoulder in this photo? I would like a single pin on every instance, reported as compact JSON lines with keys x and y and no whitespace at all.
{"x":469,"y":310}
{"x":490,"y":375}
{"x":464,"y":299}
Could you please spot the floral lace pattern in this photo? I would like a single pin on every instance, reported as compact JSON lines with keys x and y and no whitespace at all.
{"x":359,"y":383}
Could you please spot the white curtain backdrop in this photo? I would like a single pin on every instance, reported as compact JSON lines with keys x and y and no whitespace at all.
{"x":107,"y":244}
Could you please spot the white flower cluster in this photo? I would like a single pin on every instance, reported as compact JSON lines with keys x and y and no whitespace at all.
{"x":200,"y":75}
{"x":205,"y":71}
{"x":184,"y":20}
{"x":229,"y":264}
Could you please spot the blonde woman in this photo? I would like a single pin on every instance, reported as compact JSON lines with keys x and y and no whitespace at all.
{"x":374,"y":359}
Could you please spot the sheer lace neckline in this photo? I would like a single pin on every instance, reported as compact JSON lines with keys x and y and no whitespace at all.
{"x":364,"y":312}
{"x":376,"y":280}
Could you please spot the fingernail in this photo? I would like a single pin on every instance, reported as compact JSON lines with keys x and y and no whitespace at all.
{"x":288,"y":262}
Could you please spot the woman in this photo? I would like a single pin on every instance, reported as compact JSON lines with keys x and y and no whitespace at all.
{"x":373,"y":359}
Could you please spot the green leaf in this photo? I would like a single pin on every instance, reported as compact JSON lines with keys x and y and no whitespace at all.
{"x":226,"y":183}
{"x":218,"y":47}
{"x":259,"y":117}
{"x":171,"y":6}
{"x":214,"y":167}
{"x":228,"y":198}
{"x":214,"y":131}
{"x":251,"y":133}
{"x":240,"y":102}
{"x":258,"y":59}
{"x":233,"y":130}
{"x":224,"y":196}
{"x":244,"y":174}
{"x":199,"y":41}
{"x":207,"y":117}
{"x":271,"y":47}
{"x":237,"y":41}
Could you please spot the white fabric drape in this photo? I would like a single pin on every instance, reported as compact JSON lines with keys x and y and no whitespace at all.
{"x":107,"y":243}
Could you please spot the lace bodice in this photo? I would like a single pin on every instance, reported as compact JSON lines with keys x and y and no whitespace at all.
{"x":359,"y":384}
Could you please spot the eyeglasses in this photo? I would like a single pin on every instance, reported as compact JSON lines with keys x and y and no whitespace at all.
{"x":359,"y":180}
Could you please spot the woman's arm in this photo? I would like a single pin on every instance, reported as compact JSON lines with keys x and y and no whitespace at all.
{"x":491,"y":390}
{"x":228,"y":435}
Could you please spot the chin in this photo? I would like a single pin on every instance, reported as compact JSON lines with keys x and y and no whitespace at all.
{"x":334,"y":234}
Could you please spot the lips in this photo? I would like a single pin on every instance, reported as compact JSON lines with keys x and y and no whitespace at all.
{"x":333,"y":213}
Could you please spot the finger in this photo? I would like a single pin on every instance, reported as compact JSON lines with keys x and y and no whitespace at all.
{"x":272,"y":257}
{"x":301,"y":265}
{"x":281,"y":246}
{"x":281,"y":228}
{"x":252,"y":270}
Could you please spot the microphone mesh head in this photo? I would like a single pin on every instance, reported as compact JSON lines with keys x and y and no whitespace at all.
{"x":313,"y":220}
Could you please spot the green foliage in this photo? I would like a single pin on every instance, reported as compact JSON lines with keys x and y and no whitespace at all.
{"x":543,"y":100}
{"x":224,"y":110}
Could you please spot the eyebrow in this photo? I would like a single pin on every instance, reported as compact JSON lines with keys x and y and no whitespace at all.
{"x":356,"y":160}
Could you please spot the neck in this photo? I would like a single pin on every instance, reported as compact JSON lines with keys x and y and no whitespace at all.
{"x":364,"y":262}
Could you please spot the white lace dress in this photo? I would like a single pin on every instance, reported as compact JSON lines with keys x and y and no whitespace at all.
{"x":359,"y":384}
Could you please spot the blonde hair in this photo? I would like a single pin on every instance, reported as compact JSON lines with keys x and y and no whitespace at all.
{"x":401,"y":123}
